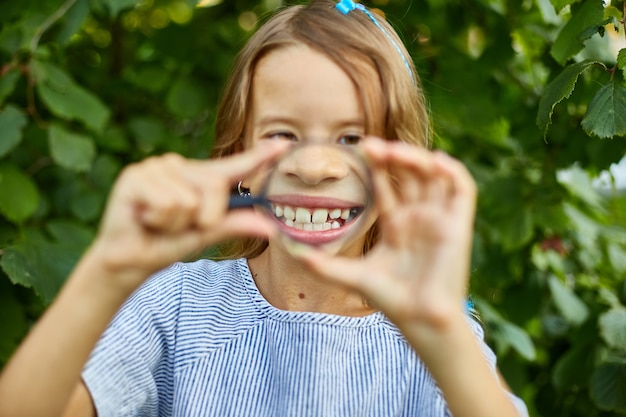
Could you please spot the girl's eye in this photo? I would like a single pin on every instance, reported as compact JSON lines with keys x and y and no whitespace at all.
{"x":349,"y":140}
{"x":282,"y":136}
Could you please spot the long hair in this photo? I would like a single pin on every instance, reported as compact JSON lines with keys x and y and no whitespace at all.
{"x":391,"y":95}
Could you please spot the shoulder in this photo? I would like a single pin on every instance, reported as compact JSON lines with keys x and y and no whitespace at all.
{"x":179,"y":278}
{"x":170,"y":291}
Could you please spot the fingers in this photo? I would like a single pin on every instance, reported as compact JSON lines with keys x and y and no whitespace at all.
{"x":372,"y":279}
{"x":215,"y":178}
{"x":162,"y":199}
{"x":463,"y":188}
{"x":333,"y":268}
{"x":243,"y":223}
{"x":170,"y":194}
{"x":415,"y":175}
{"x":239,"y":166}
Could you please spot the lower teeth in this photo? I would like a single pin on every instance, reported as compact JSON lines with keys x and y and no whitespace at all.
{"x":313,"y":227}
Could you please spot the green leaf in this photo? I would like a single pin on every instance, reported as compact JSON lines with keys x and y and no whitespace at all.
{"x":574,"y":368}
{"x":592,"y":30}
{"x":608,"y":386}
{"x":598,"y":28}
{"x":68,"y":100}
{"x":621,"y":61}
{"x":187,"y":98}
{"x":113,"y":138}
{"x":12,"y":121}
{"x":87,"y":204}
{"x":151,"y":78}
{"x":73,"y":20}
{"x":548,"y":12}
{"x":104,"y":171}
{"x":13,"y":322}
{"x":590,"y":13}
{"x":608,"y":296}
{"x":547,"y":260}
{"x":567,"y":302}
{"x":149,"y":132}
{"x":560,"y":4}
{"x":613,"y":328}
{"x":19,"y":196}
{"x":587,"y":231}
{"x":617,"y":257}
{"x":518,"y":339}
{"x":506,"y":334}
{"x":487,"y":311}
{"x":71,"y":232}
{"x":606,"y":113}
{"x":517,"y":229}
{"x":577,"y":182}
{"x":558,"y":89}
{"x":42,"y":263}
{"x":506,"y":207}
{"x":116,"y":6}
{"x":8,"y":82}
{"x":613,"y":12}
{"x":71,"y":150}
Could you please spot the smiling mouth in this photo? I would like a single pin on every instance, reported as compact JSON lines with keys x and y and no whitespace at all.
{"x":314,"y":219}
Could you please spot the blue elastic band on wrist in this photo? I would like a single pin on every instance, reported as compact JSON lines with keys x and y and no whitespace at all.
{"x":346,"y":6}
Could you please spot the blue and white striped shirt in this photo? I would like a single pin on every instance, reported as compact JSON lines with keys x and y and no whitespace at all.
{"x":199,"y":339}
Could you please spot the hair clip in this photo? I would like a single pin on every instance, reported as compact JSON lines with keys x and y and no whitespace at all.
{"x":346,"y":6}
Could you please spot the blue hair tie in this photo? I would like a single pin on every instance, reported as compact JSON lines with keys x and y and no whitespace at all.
{"x":346,"y":6}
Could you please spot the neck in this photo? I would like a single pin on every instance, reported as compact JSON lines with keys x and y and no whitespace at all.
{"x":287,"y":285}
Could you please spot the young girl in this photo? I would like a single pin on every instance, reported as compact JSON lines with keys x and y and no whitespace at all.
{"x":272,"y":331}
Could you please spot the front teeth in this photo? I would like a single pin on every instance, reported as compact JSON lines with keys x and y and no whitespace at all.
{"x":287,"y":212}
{"x":303,"y":215}
{"x":319,"y":216}
{"x":314,"y":220}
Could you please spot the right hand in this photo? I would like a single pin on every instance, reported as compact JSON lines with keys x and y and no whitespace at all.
{"x":168,"y":207}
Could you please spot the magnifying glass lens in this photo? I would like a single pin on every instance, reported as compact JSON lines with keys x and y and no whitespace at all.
{"x":320,"y":195}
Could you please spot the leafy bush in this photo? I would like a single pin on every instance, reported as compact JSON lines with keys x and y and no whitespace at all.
{"x":529,"y":94}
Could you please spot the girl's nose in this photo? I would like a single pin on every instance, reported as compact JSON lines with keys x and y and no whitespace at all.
{"x":314,"y":164}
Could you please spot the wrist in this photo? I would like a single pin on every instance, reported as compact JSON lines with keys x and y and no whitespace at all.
{"x":96,"y":274}
{"x":443,"y":325}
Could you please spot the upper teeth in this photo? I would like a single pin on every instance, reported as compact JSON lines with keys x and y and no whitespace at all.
{"x":313,"y":219}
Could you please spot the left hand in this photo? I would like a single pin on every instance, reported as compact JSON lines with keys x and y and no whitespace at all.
{"x":417,"y":272}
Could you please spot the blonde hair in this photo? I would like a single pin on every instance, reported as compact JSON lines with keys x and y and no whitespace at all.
{"x":391,"y":96}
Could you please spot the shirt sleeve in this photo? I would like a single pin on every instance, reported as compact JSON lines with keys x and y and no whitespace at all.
{"x":129,"y":372}
{"x":522,"y":410}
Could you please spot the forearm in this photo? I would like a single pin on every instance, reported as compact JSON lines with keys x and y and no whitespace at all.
{"x":41,"y":376}
{"x":455,"y":359}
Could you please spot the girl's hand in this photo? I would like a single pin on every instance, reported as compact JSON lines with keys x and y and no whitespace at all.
{"x":418,"y":271}
{"x":166,"y":208}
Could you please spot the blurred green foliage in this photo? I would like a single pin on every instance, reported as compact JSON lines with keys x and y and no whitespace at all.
{"x":530,"y":94}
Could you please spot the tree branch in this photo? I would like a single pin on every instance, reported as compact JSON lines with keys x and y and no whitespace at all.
{"x":51,"y":20}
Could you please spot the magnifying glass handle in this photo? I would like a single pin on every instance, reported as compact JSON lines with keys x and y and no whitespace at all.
{"x":238,"y":202}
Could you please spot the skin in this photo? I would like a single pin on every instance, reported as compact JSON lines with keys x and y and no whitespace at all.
{"x":167,"y":207}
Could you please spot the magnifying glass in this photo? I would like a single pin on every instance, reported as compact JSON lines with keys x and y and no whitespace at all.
{"x":316,"y":194}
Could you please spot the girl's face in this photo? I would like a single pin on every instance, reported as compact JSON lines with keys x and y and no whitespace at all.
{"x":300,"y":95}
